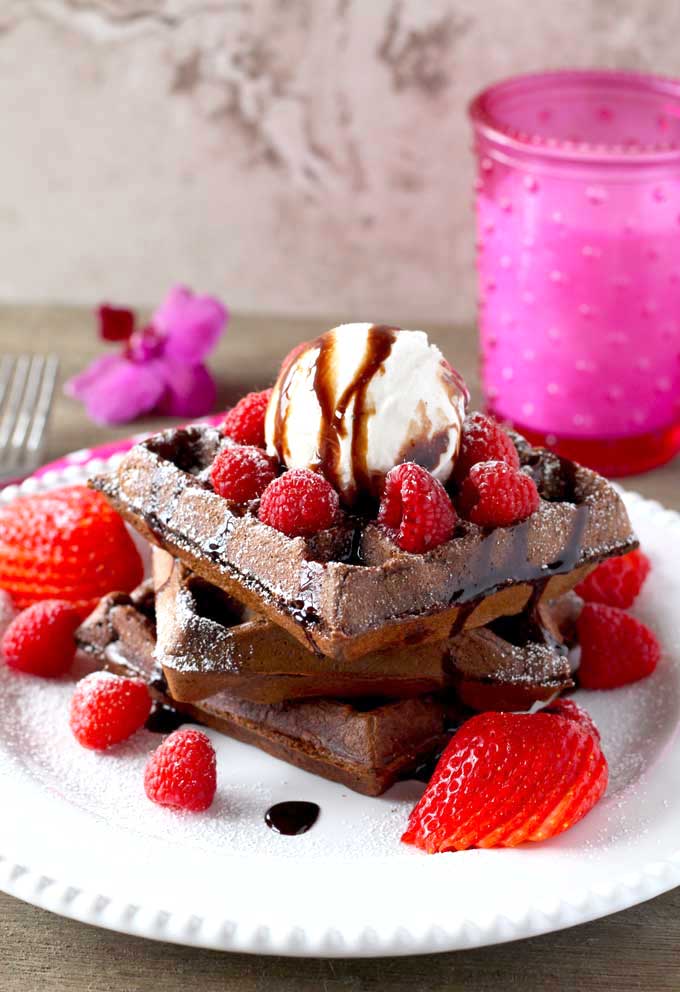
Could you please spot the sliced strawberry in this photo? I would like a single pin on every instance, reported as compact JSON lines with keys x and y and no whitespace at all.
{"x":507,"y":778}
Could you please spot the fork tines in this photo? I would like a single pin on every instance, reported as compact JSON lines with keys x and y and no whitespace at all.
{"x":26,"y":391}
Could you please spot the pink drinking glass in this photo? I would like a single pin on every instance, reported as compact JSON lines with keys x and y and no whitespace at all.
{"x":578,"y":210}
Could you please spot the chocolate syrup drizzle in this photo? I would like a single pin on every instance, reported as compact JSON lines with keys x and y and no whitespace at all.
{"x":488,"y":578}
{"x":334,"y":419}
{"x":334,"y":425}
{"x":292,"y":818}
{"x":163,"y":719}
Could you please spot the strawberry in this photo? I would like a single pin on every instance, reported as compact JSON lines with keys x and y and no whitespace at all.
{"x":507,"y":778}
{"x":616,"y":581}
{"x":65,"y":544}
{"x":615,"y":647}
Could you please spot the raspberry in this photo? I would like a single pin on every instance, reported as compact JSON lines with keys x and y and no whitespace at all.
{"x":496,"y":495}
{"x":107,"y":709}
{"x":40,"y":640}
{"x":617,"y":581}
{"x":245,"y":422}
{"x":483,"y":440}
{"x":416,"y":508}
{"x":241,"y":473}
{"x":507,"y":778}
{"x":181,"y":773}
{"x":65,"y":544}
{"x":299,"y":503}
{"x":615,"y":648}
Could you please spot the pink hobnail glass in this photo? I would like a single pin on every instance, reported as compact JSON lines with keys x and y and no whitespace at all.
{"x":578,"y":210}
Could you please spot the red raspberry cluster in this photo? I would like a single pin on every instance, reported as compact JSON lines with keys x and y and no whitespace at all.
{"x":108,"y":709}
{"x":415,"y":508}
{"x":616,"y":648}
{"x":419,"y":514}
{"x":299,"y":503}
{"x":494,"y":492}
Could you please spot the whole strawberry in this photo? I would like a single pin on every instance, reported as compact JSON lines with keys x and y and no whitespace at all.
{"x":182,"y":773}
{"x":507,"y":778}
{"x":245,"y":422}
{"x":616,"y":648}
{"x":41,"y":640}
{"x":107,"y":709}
{"x":616,"y":581}
{"x":483,"y":440}
{"x":416,"y":509}
{"x":299,"y":503}
{"x":495,"y":494}
{"x":241,"y":473}
{"x":65,"y":544}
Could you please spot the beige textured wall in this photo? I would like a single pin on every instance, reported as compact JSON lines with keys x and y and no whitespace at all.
{"x":292,"y":155}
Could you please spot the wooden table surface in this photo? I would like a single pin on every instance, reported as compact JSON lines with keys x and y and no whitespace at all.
{"x":636,"y":949}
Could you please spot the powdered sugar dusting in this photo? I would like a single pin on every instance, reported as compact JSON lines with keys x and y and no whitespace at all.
{"x":38,"y":742}
{"x":638,"y":724}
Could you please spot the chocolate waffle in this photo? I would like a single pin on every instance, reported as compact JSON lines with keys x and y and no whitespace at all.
{"x":365,"y":746}
{"x":205,"y":645}
{"x":350,"y":590}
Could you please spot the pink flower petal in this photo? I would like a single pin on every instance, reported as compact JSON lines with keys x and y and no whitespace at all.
{"x":146,"y":345}
{"x":116,"y":390}
{"x":115,"y":323}
{"x":79,"y":385}
{"x":190,"y":390}
{"x":191,"y":324}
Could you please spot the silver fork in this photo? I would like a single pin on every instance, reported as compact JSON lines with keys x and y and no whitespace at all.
{"x":26,"y":392}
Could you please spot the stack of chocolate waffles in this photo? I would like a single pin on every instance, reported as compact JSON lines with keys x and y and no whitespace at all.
{"x":340,"y":652}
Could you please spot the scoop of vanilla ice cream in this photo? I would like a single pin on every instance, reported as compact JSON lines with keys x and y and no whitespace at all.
{"x":361,"y":399}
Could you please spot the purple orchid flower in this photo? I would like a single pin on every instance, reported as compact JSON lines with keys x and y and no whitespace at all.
{"x":162,"y":366}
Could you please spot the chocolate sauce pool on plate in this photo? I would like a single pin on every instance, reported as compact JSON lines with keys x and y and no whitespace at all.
{"x":291,"y":818}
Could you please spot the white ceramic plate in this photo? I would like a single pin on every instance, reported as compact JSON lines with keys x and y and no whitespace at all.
{"x":77,"y":835}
